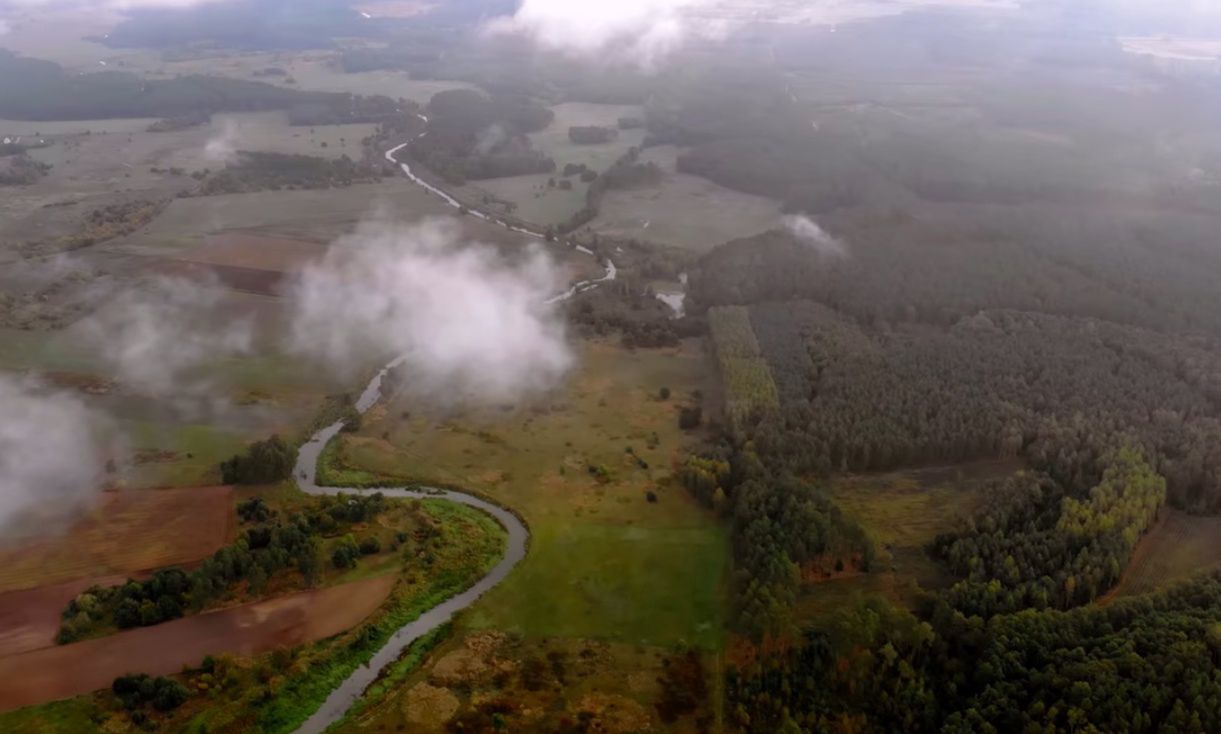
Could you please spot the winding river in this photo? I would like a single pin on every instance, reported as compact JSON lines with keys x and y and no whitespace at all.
{"x":348,"y":692}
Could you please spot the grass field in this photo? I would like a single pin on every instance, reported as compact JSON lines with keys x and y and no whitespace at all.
{"x":683,"y":211}
{"x":604,"y":561}
{"x":554,"y":140}
{"x":624,"y":583}
{"x":541,"y":204}
{"x":910,"y":508}
{"x":1176,"y":548}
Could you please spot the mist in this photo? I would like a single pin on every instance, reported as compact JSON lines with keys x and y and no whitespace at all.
{"x":52,"y":461}
{"x":811,"y":233}
{"x":222,"y":148}
{"x":464,"y":317}
{"x":154,"y":337}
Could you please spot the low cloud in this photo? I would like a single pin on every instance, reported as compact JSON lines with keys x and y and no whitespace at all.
{"x":811,"y":233}
{"x":52,"y":459}
{"x":464,"y":317}
{"x":4,"y":28}
{"x":222,"y":147}
{"x":157,"y":335}
{"x":633,"y":31}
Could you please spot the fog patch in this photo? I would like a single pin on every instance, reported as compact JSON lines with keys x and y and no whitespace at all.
{"x":156,"y":335}
{"x":52,"y":456}
{"x":491,"y":137}
{"x":811,"y":233}
{"x":222,"y":147}
{"x":463,"y":317}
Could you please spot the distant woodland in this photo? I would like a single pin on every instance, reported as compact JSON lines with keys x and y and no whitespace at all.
{"x":473,"y":136}
{"x":277,"y":171}
{"x":32,"y":89}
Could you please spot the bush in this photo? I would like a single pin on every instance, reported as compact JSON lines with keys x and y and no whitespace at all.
{"x":690,"y":418}
{"x":265,"y":462}
{"x":138,"y":690}
{"x":369,"y":546}
{"x":345,"y":554}
{"x":254,"y":510}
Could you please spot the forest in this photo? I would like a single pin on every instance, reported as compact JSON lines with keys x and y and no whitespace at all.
{"x":269,"y":547}
{"x":1041,"y":545}
{"x":1059,"y":392}
{"x":32,"y":89}
{"x":1147,"y":664}
{"x":276,"y":171}
{"x":1113,"y":420}
{"x":473,"y":136}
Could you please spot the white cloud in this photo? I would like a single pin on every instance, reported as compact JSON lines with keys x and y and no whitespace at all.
{"x":52,"y":461}
{"x":222,"y":148}
{"x":4,"y":28}
{"x":464,"y":317}
{"x":640,"y":31}
{"x":156,"y":336}
{"x":811,"y":233}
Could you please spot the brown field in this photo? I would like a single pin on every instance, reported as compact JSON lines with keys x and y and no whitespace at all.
{"x":54,"y":673}
{"x":29,"y":619}
{"x":128,"y":532}
{"x":255,"y":251}
{"x":242,"y":261}
{"x":1178,"y":547}
{"x":244,"y":280}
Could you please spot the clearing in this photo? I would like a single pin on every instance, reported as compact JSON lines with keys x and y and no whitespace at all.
{"x":683,"y":211}
{"x":1175,"y":549}
{"x":902,"y":512}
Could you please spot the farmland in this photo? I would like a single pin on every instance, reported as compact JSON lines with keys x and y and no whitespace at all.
{"x":175,"y":527}
{"x":262,"y":644}
{"x":37,"y":676}
{"x":683,"y":210}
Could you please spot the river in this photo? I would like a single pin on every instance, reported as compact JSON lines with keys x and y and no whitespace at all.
{"x":348,"y":692}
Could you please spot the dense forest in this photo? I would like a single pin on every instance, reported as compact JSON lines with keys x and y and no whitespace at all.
{"x":1061,"y":392}
{"x":1042,"y":545}
{"x":1127,"y":269}
{"x":1147,"y":664}
{"x":32,"y":89}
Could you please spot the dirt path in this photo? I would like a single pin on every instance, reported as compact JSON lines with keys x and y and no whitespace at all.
{"x":54,"y":673}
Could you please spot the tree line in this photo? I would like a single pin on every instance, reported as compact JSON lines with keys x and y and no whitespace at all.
{"x":260,"y":553}
{"x":1146,"y":664}
{"x":1041,"y":545}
